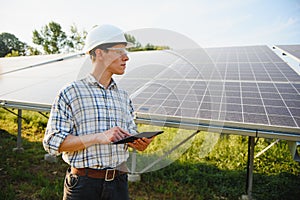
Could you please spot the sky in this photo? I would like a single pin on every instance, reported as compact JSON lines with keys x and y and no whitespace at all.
{"x":209,"y":23}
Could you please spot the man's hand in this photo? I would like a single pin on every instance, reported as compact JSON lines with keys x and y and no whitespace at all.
{"x":112,"y":135}
{"x":140,"y":144}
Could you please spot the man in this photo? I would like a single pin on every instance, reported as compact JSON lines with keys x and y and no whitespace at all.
{"x":88,"y":115}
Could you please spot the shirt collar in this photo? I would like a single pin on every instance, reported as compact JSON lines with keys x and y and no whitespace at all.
{"x":92,"y":80}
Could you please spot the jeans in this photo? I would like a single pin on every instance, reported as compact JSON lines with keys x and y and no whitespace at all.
{"x":84,"y":187}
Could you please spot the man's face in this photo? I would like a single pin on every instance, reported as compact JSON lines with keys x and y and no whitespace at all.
{"x":115,"y":59}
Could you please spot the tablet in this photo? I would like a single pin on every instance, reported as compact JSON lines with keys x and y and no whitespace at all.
{"x":137,"y":136}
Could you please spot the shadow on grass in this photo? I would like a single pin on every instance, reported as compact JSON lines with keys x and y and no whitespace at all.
{"x":27,"y":176}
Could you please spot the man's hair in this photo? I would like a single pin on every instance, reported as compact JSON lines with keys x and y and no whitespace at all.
{"x":102,"y":47}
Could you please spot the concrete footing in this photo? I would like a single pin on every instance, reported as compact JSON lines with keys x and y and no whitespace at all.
{"x":18,"y":149}
{"x":134,"y":177}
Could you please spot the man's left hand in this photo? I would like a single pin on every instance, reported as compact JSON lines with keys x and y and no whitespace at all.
{"x":140,"y":144}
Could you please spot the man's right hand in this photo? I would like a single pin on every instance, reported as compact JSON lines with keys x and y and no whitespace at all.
{"x":112,"y":135}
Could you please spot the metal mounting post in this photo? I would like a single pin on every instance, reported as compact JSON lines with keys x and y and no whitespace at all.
{"x":19,"y":147}
{"x":133,"y":176}
{"x":250,"y":162}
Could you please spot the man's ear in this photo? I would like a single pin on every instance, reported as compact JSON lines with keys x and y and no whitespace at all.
{"x":99,"y":53}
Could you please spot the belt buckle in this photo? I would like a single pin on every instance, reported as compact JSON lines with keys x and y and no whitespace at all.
{"x":113,"y":175}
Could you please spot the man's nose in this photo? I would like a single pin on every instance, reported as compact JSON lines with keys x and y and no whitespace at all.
{"x":125,"y":57}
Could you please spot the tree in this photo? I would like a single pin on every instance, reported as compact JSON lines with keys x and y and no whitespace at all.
{"x":131,"y":38}
{"x":12,"y":54}
{"x":52,"y":38}
{"x":137,"y":46}
{"x":10,"y":44}
{"x":33,"y":51}
{"x":149,"y":47}
{"x":76,"y":39}
{"x":3,"y":49}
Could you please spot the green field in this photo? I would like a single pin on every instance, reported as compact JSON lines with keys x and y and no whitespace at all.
{"x":186,"y":174}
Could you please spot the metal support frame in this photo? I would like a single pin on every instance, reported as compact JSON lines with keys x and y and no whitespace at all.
{"x":133,"y":164}
{"x":295,"y":150}
{"x":169,"y":152}
{"x":250,"y":162}
{"x":19,"y":147}
{"x":43,"y":115}
{"x":133,"y":176}
{"x":19,"y":116}
{"x":267,"y":148}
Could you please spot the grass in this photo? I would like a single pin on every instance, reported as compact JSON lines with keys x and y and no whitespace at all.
{"x":186,"y":173}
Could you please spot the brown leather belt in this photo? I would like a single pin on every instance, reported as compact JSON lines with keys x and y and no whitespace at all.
{"x":107,"y":174}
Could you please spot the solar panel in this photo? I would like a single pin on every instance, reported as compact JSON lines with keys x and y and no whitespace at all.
{"x":292,"y":50}
{"x":12,"y":64}
{"x":248,"y":90}
{"x":32,"y":82}
{"x":248,"y":86}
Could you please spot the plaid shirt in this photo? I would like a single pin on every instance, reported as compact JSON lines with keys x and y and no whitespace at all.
{"x":86,"y":107}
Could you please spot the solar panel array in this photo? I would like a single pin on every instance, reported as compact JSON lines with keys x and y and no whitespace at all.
{"x":248,"y":86}
{"x":240,"y":87}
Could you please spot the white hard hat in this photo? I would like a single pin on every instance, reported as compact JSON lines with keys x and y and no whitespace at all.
{"x":102,"y":35}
